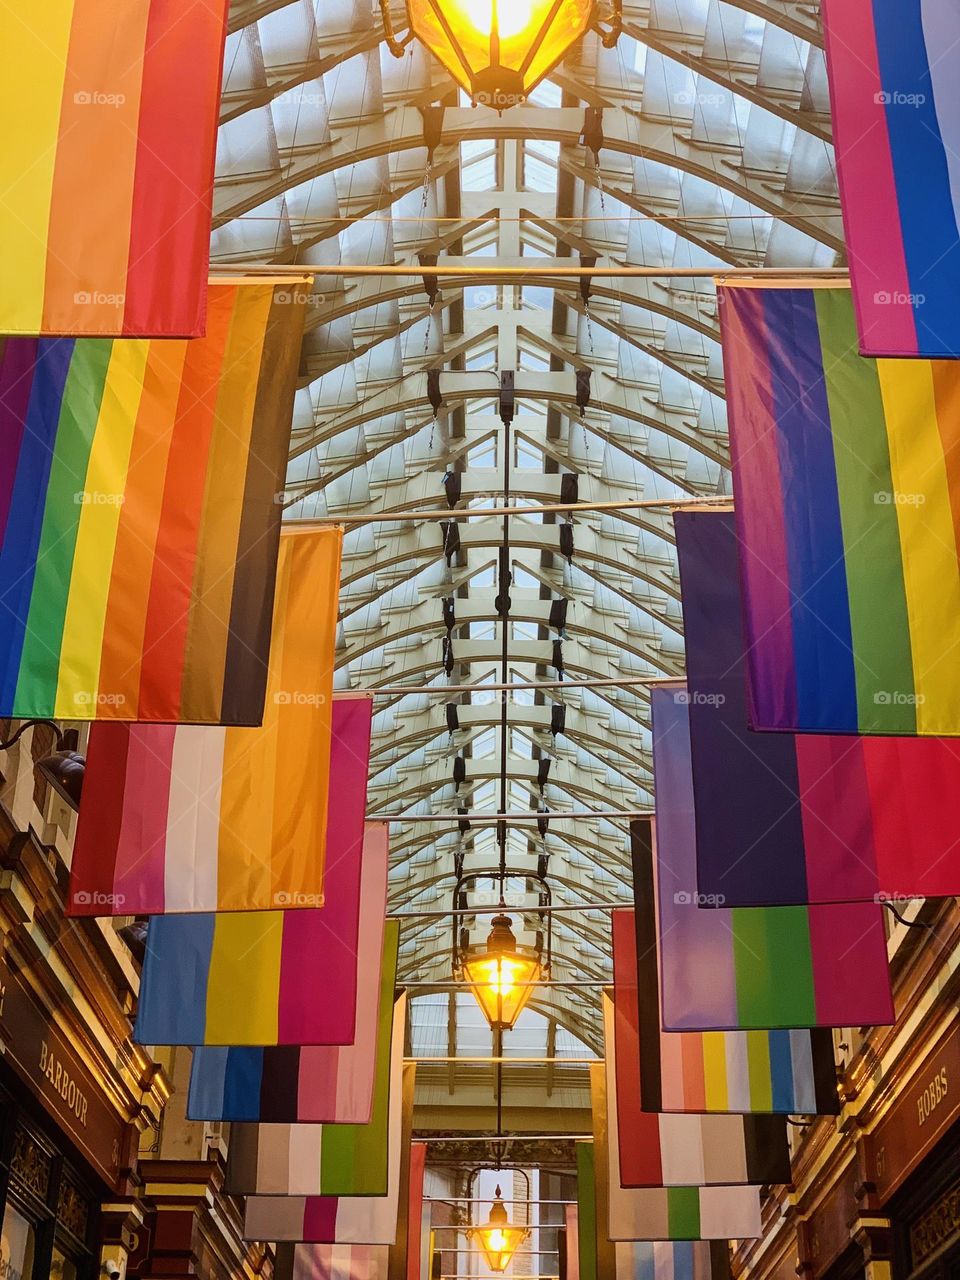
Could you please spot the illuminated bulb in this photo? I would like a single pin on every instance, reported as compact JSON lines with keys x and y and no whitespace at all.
{"x":513,"y":16}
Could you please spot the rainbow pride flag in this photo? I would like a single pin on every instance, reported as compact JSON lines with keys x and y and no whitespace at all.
{"x":108,"y":175}
{"x":220,"y":818}
{"x":344,"y":1219}
{"x":663,"y":1213}
{"x":893,"y":69}
{"x":138,"y":517}
{"x":241,"y":977}
{"x":685,"y":1150}
{"x":323,"y":1159}
{"x":787,"y":1072}
{"x":301,"y":1084}
{"x":847,"y":481}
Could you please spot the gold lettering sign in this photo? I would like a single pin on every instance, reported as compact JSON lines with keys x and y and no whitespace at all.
{"x":936,"y":1227}
{"x":63,"y":1082}
{"x":931,"y":1095}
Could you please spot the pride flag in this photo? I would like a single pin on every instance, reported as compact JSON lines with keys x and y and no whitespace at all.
{"x":181,"y":818}
{"x":251,"y":977}
{"x":108,"y":174}
{"x":788,"y":1072}
{"x":202,"y":818}
{"x":589,"y":1258}
{"x":323,"y":1159}
{"x":830,"y":818}
{"x":848,"y":515}
{"x":684,"y":1150}
{"x":663,"y":1213}
{"x":893,"y":69}
{"x":305,"y":1084}
{"x":710,"y":974}
{"x":344,"y":1219}
{"x":138,"y":517}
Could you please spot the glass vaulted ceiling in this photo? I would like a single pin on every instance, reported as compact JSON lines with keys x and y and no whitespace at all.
{"x":716,"y":152}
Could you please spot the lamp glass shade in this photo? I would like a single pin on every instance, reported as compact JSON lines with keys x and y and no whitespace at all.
{"x":499,"y":50}
{"x":501,"y":975}
{"x":498,"y":1240}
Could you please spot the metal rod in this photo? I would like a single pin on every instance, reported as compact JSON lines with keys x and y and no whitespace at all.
{"x":462,"y":986}
{"x":625,"y":271}
{"x":473,"y":1200}
{"x":492,"y":911}
{"x":491,"y":1060}
{"x":395,"y":690}
{"x":548,"y":508}
{"x":511,"y":1137}
{"x":488,"y":818}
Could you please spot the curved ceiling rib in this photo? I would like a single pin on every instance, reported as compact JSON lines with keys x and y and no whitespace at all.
{"x":716,"y":153}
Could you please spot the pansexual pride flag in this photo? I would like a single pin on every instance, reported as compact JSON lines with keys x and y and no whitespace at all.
{"x":323,"y":1159}
{"x":830,"y":817}
{"x":848,"y":515}
{"x":344,"y":1219}
{"x":788,"y":1072}
{"x":306,"y":1084}
{"x":893,"y":69}
{"x":181,"y":818}
{"x":250,"y":977}
{"x":663,"y":1213}
{"x":105,"y":220}
{"x":138,"y":517}
{"x":684,"y":1150}
{"x":710,"y":974}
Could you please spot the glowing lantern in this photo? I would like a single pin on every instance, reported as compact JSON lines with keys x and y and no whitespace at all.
{"x":501,"y":974}
{"x":499,"y":50}
{"x":498,"y":1240}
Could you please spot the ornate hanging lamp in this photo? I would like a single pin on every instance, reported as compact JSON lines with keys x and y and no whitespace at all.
{"x":499,"y":50}
{"x":497,"y":1238}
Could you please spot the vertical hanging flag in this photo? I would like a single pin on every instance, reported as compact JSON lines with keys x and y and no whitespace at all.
{"x":302,"y":1084}
{"x":569,"y":1244}
{"x":710,"y":976}
{"x":788,"y":1072}
{"x":322,"y":1159}
{"x":405,"y":1252}
{"x":848,"y":516}
{"x":108,"y":176}
{"x":139,"y":520}
{"x":331,"y":1262}
{"x":639,"y":1260}
{"x":893,"y":72}
{"x":342,"y":1219}
{"x":251,"y":977}
{"x":817,"y":809}
{"x":206,"y":818}
{"x":685,"y":1150}
{"x":664,"y":1213}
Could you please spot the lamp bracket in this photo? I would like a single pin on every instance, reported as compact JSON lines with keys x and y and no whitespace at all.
{"x":610,"y":35}
{"x":396,"y":46}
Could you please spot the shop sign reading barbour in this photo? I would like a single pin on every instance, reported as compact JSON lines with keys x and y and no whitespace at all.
{"x":53,"y":1070}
